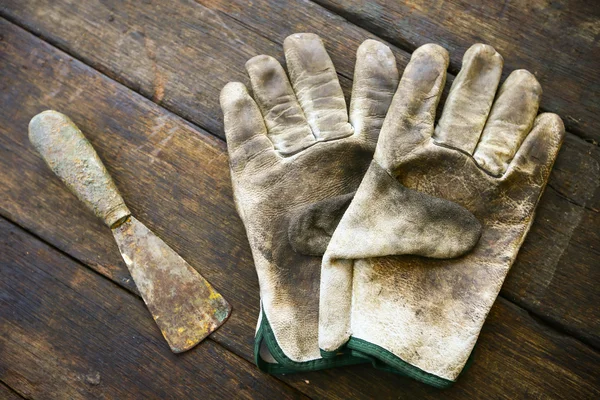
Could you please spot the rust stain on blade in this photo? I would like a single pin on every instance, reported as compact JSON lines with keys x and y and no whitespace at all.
{"x":184,"y":305}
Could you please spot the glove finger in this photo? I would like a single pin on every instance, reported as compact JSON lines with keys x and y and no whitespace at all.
{"x":245,"y":130}
{"x":534,"y":159}
{"x":375,"y":81}
{"x":286,"y":125}
{"x":470,"y":99}
{"x":509,"y":122}
{"x":411,"y":116}
{"x":317,"y":87}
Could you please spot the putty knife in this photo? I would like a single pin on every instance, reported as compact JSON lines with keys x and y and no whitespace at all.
{"x":184,"y":305}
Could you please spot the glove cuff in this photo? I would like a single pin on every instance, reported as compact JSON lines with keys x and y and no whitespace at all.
{"x":283,"y":364}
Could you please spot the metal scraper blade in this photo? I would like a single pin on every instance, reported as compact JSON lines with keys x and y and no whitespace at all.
{"x":184,"y":305}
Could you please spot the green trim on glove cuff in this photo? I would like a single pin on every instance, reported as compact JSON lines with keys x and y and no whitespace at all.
{"x":286,"y":365}
{"x":385,"y":360}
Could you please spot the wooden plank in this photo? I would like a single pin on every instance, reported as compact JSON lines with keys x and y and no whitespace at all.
{"x":214,"y":54}
{"x":68,"y":333}
{"x":544,"y":262}
{"x":175,"y":179}
{"x":7,"y":393}
{"x":556,"y":268}
{"x":557,"y":40}
{"x":135,"y":45}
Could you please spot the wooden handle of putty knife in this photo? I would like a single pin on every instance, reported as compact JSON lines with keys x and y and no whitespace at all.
{"x":71,"y":156}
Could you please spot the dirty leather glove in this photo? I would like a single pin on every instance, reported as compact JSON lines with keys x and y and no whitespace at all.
{"x":419,"y":257}
{"x":296,"y":158}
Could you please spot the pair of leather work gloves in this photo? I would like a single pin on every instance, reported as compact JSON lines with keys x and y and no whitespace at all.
{"x":378,"y":236}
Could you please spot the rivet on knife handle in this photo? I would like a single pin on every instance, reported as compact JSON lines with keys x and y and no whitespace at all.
{"x":184,"y":305}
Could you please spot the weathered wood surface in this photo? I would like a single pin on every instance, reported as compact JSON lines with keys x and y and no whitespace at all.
{"x":175,"y":178}
{"x":7,"y":393}
{"x":557,"y":40}
{"x":218,"y":37}
{"x":68,"y":333}
{"x":170,"y":52}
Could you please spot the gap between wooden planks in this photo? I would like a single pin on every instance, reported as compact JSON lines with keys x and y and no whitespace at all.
{"x":189,"y":180}
{"x":552,"y":277}
{"x":7,"y":393}
{"x":69,"y":333}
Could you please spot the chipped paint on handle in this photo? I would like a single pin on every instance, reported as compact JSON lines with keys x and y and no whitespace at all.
{"x":71,"y":156}
{"x":184,"y":305}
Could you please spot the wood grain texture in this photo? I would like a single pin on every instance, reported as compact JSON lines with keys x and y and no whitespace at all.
{"x":7,"y":393}
{"x":218,"y":37}
{"x":68,"y":333}
{"x":134,"y":45}
{"x":556,"y":267}
{"x":174,"y":176}
{"x":556,"y":40}
{"x":178,"y":54}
